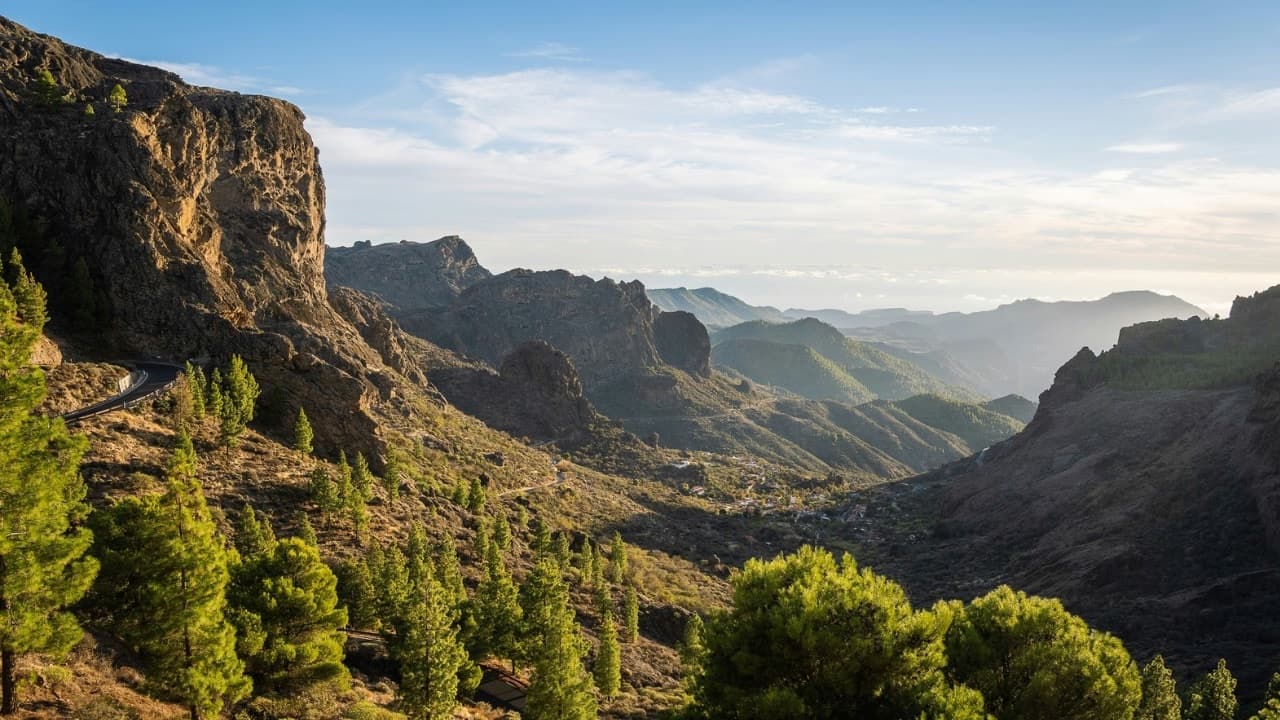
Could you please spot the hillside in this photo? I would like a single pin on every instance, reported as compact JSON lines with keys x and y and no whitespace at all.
{"x":884,"y":374}
{"x":714,"y":308}
{"x":1015,"y":406}
{"x":406,"y":275}
{"x":1143,"y":494}
{"x":977,"y":425}
{"x":797,"y":368}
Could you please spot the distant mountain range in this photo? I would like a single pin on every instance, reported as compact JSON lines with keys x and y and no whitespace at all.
{"x":1012,"y":349}
{"x":800,"y":393}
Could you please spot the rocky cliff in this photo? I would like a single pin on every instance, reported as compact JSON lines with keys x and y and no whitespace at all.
{"x":1145,"y":493}
{"x":409,"y":276}
{"x":535,"y":394}
{"x":605,"y":326}
{"x":199,"y":214}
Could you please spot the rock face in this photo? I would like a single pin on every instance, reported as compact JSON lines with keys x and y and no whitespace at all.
{"x":683,"y":342}
{"x":200,"y":215}
{"x":409,"y":276}
{"x":1145,"y":494}
{"x":606,"y":327}
{"x":535,"y":394}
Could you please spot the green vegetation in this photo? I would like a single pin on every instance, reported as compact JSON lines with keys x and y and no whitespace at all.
{"x":1032,"y":659}
{"x":1160,"y":699}
{"x":810,"y":637}
{"x":607,"y":669}
{"x":47,"y":91}
{"x":617,"y":559}
{"x":430,"y":654}
{"x":302,"y":433}
{"x":795,"y":368}
{"x":882,"y":374}
{"x":977,"y":426}
{"x":562,"y":688}
{"x":117,"y":99}
{"x":1213,"y":697}
{"x":163,"y":585}
{"x":43,"y":568}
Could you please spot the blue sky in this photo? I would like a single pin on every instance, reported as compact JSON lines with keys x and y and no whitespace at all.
{"x":932,"y":155}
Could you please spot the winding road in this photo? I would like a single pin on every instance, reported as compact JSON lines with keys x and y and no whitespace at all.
{"x":148,"y":379}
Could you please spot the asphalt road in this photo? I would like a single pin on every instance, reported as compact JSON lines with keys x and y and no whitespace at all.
{"x":151,"y":378}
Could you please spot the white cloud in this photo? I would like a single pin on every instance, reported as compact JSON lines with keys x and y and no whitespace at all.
{"x":1163,"y":91}
{"x":551,"y":51}
{"x":216,"y":77}
{"x":1146,"y":148}
{"x":580,"y":169}
{"x":1237,"y":104}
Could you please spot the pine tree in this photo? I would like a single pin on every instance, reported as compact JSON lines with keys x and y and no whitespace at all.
{"x":608,"y":666}
{"x":213,"y":395}
{"x":561,"y":687}
{"x":47,"y":91}
{"x":393,"y":473}
{"x":1213,"y":697}
{"x":541,"y":544}
{"x":461,"y":495}
{"x":1159,"y":694}
{"x":254,"y":536}
{"x":293,"y":598}
{"x":448,"y":571}
{"x":355,"y":588}
{"x":631,"y":616}
{"x":418,"y":556}
{"x":561,"y":552}
{"x":429,"y":653}
{"x":168,"y":579}
{"x":1271,"y":704}
{"x":345,"y":490}
{"x":302,"y":433}
{"x":502,"y":532}
{"x":587,"y":563}
{"x":617,"y":559}
{"x":522,"y":518}
{"x":324,"y":493}
{"x":241,"y":388}
{"x":43,"y":567}
{"x":391,"y":578}
{"x":498,"y":612}
{"x":306,"y":533}
{"x":693,"y":650}
{"x":117,"y":99}
{"x":475,"y":496}
{"x":362,"y":478}
{"x":194,"y":377}
{"x":88,"y":110}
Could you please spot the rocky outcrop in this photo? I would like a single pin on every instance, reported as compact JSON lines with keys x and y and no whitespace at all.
{"x":606,"y":327}
{"x":683,"y":342}
{"x":536,"y":394}
{"x":200,"y":215}
{"x":409,"y":276}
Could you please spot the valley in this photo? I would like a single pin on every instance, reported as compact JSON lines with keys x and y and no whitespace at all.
{"x":446,"y":473}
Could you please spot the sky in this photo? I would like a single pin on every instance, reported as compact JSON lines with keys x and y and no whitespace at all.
{"x":932,"y":155}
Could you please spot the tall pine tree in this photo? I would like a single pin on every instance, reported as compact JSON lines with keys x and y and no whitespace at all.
{"x":561,"y":687}
{"x":165,"y":579}
{"x":429,"y":653}
{"x":608,"y":666}
{"x":1159,"y":693}
{"x":43,"y":567}
{"x":292,"y":599}
{"x":498,"y":612}
{"x":1213,"y":697}
{"x":302,"y":433}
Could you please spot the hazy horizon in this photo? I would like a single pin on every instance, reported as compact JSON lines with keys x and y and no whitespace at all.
{"x":842,"y":156}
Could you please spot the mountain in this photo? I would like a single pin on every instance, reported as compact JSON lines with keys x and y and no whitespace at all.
{"x":407,"y":275}
{"x":1145,"y":493}
{"x":211,"y":242}
{"x":714,"y":308}
{"x":647,"y":369}
{"x":1016,"y":347}
{"x":1015,"y":406}
{"x":864,"y":319}
{"x":884,"y":374}
{"x":797,"y":368}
